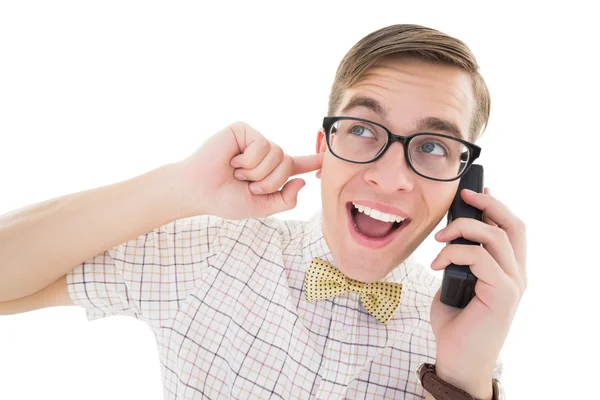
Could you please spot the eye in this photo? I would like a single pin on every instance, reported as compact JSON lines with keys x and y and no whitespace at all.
{"x":361,"y":131}
{"x":429,"y":147}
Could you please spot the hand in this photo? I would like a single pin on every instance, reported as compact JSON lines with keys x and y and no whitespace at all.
{"x":469,"y":340}
{"x":237,"y":174}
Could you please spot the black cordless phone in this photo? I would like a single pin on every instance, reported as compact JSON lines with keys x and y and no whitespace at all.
{"x":458,"y":284}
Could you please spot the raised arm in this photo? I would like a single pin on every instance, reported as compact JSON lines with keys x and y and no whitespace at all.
{"x":41,"y":243}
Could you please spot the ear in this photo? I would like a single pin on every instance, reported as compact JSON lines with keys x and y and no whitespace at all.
{"x":321,"y":146}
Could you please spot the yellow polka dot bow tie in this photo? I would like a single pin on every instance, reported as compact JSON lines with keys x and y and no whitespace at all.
{"x":324,"y":281}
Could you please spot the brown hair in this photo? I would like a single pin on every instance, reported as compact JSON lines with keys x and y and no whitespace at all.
{"x":415,"y":41}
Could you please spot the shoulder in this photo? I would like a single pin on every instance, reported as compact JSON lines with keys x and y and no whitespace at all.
{"x":212,"y":228}
{"x":246,"y":232}
{"x":263,"y":226}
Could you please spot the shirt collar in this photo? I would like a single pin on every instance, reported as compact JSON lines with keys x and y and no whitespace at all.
{"x":316,"y":246}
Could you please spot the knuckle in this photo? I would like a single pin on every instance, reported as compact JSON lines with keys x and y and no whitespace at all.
{"x":522,"y":286}
{"x":481,"y":251}
{"x":459,"y":221}
{"x":238,"y":126}
{"x":278,"y":151}
{"x":271,"y":185}
{"x":287,"y":162}
{"x":292,"y":202}
{"x":250,"y":174}
{"x":514,"y":291}
{"x":498,"y":232}
{"x":463,"y":224}
{"x":263,"y":145}
{"x":483,"y":291}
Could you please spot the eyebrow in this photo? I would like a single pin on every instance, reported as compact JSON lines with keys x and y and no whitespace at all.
{"x":423,"y":124}
{"x":367,"y":102}
{"x":438,"y":124}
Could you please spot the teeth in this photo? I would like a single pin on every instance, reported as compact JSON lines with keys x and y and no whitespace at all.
{"x":376,"y":214}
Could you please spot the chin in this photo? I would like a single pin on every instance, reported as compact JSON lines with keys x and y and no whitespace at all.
{"x":366,"y":267}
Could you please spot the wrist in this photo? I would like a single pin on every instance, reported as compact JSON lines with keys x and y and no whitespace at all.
{"x":173,"y":197}
{"x":479,"y":387}
{"x":191,"y":195}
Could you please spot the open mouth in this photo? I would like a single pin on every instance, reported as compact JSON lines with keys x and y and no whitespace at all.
{"x":373,"y":228}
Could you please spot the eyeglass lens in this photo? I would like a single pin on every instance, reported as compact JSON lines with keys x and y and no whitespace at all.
{"x":433,"y":156}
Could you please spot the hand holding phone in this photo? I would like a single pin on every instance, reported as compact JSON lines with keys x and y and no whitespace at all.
{"x":458,"y":284}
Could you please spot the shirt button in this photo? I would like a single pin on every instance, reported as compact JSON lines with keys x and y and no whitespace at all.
{"x":341,"y":334}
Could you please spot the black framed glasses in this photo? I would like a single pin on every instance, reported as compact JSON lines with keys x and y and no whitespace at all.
{"x":430,"y":155}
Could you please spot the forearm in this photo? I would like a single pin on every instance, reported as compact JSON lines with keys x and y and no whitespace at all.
{"x":42,"y":242}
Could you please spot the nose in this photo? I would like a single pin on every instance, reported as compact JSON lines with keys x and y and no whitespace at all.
{"x":391,"y":172}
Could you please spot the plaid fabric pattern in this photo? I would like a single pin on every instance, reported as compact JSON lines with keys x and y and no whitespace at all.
{"x":224,"y":300}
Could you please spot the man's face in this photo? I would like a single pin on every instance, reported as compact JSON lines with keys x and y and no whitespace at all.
{"x":410,"y":90}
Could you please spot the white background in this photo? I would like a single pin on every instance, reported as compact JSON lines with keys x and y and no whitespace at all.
{"x":92,"y":93}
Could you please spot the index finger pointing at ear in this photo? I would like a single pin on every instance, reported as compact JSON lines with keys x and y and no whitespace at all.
{"x":304,"y":164}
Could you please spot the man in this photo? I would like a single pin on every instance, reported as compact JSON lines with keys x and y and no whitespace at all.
{"x":244,"y":305}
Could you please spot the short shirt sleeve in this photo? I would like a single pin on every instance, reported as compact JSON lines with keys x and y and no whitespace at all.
{"x":149,"y":276}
